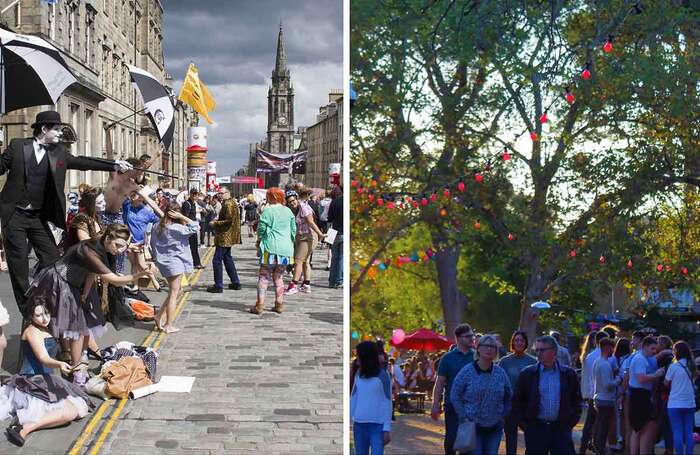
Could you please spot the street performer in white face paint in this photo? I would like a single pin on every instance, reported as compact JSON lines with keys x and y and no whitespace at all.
{"x":119,"y":186}
{"x":34,"y":194}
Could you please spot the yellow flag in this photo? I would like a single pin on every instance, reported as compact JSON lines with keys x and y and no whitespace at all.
{"x":196,"y":94}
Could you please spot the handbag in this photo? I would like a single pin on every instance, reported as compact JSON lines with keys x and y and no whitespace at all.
{"x":465,"y":441}
{"x":695,"y":387}
{"x":466,"y":437}
{"x":125,"y":375}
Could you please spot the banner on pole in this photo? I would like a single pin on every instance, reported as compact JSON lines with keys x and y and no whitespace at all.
{"x":272,"y":162}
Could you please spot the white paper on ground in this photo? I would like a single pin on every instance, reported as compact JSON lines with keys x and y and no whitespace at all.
{"x":143,"y":391}
{"x":176,"y":384}
{"x":330,"y":236}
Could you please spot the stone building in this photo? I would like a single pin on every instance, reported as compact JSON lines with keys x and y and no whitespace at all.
{"x":325,"y":141}
{"x":280,"y":105}
{"x":98,"y":38}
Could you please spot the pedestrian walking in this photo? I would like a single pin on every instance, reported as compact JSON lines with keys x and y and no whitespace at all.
{"x":623,"y":350}
{"x":173,"y":257}
{"x":642,"y":377}
{"x":547,"y":400}
{"x":604,"y":397}
{"x":335,"y":219}
{"x":513,"y":364}
{"x":227,"y":233}
{"x":276,"y":231}
{"x":450,"y":365}
{"x":563,"y":356}
{"x":304,"y":243}
{"x":250,"y":209}
{"x":481,"y":393}
{"x":589,"y":354}
{"x":370,"y":402}
{"x":681,"y":400}
{"x":189,"y":209}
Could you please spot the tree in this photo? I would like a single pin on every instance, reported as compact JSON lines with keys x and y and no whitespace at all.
{"x":445,"y":87}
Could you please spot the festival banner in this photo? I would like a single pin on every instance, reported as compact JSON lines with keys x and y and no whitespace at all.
{"x":272,"y":162}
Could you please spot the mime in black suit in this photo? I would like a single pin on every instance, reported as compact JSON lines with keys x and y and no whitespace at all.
{"x":34,"y":194}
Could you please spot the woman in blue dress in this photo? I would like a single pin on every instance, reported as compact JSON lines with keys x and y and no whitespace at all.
{"x":171,"y":252}
{"x":37,"y":398}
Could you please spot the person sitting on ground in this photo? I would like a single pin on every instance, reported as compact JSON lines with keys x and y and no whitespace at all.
{"x":171,"y":253}
{"x":66,"y":288}
{"x":62,"y":401}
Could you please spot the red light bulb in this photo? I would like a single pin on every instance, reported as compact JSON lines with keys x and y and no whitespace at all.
{"x":586,"y":74}
{"x":505,"y":156}
{"x":460,"y":187}
{"x":570,"y":98}
{"x":543,"y":118}
{"x":608,"y":47}
{"x":478,"y":177}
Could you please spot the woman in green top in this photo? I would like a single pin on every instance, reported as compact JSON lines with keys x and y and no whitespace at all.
{"x":276,"y":231}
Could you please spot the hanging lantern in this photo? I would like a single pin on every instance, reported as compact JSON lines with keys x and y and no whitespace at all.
{"x":390,"y":205}
{"x":572,"y":253}
{"x":684,"y":270}
{"x":659,"y":268}
{"x":586,"y":73}
{"x":446,"y":193}
{"x":460,"y":186}
{"x":370,"y":197}
{"x":505,"y":156}
{"x":629,"y":264}
{"x":423,"y":202}
{"x":433,"y":197}
{"x":543,"y":118}
{"x":533,"y":136}
{"x":414,"y":204}
{"x":477,"y":225}
{"x":443,"y":212}
{"x":354,"y":183}
{"x":380,"y":201}
{"x":359,"y":190}
{"x":478,"y":177}
{"x":373,"y":183}
{"x":570,"y":98}
{"x":510,"y":237}
{"x":601,"y":259}
{"x":608,"y":46}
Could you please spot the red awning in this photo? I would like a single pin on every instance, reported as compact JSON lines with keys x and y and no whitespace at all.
{"x":425,"y":340}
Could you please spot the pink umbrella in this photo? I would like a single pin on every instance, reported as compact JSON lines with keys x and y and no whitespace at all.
{"x":424,"y":340}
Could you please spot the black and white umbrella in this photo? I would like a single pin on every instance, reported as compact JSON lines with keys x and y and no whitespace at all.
{"x":159,"y":106}
{"x":32,"y":72}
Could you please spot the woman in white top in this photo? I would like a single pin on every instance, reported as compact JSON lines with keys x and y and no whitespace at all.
{"x":370,"y":402}
{"x":681,"y":399}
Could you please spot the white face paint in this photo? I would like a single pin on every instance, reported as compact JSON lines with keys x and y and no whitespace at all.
{"x":53,"y":135}
{"x":100,"y":203}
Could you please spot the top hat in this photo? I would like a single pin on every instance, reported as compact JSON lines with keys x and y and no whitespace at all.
{"x":47,"y":118}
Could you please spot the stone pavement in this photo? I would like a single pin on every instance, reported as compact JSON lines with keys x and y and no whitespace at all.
{"x":264,"y":384}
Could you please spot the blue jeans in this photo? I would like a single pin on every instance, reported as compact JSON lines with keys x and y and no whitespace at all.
{"x":336,"y":275}
{"x":368,"y":435}
{"x":487,"y":441}
{"x":682,"y":420}
{"x":223,"y":255}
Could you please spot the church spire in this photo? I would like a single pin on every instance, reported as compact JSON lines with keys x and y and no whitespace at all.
{"x":281,"y":60}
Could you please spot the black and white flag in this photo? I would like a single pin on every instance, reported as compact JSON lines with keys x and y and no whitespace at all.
{"x":159,"y":106}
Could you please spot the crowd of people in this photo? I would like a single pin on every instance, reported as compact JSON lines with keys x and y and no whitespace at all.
{"x":80,"y":282}
{"x":636,"y":388}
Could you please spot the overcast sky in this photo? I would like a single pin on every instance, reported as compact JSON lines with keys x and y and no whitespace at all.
{"x":234,"y":42}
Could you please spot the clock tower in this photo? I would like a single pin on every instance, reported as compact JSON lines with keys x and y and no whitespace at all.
{"x":280,"y":105}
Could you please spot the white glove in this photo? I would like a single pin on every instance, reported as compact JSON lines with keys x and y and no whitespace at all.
{"x":123,"y":166}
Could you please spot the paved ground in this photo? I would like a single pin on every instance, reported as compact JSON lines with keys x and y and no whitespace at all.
{"x":264,"y":384}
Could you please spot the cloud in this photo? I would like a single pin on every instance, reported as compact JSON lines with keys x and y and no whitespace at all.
{"x":234,"y":43}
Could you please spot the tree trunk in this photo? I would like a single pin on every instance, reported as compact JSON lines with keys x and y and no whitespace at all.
{"x":453,"y":302}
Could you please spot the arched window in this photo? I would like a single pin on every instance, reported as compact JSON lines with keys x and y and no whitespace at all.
{"x":277,"y":106}
{"x":283,"y":144}
{"x":283,"y":106}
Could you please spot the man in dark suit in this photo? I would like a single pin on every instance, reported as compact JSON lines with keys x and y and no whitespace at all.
{"x":189,"y":209}
{"x":547,"y":402}
{"x":33,"y":195}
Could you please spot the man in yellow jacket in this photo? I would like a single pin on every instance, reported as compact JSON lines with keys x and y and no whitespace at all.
{"x":227,"y":232}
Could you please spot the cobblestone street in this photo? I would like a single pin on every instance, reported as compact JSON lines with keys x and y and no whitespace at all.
{"x":264,"y":384}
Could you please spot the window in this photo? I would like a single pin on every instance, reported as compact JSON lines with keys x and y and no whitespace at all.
{"x":52,"y":21}
{"x":87,"y":133}
{"x":18,"y":14}
{"x":89,"y":24}
{"x":283,"y":144}
{"x":73,"y":175}
{"x":283,"y":106}
{"x":71,"y":29}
